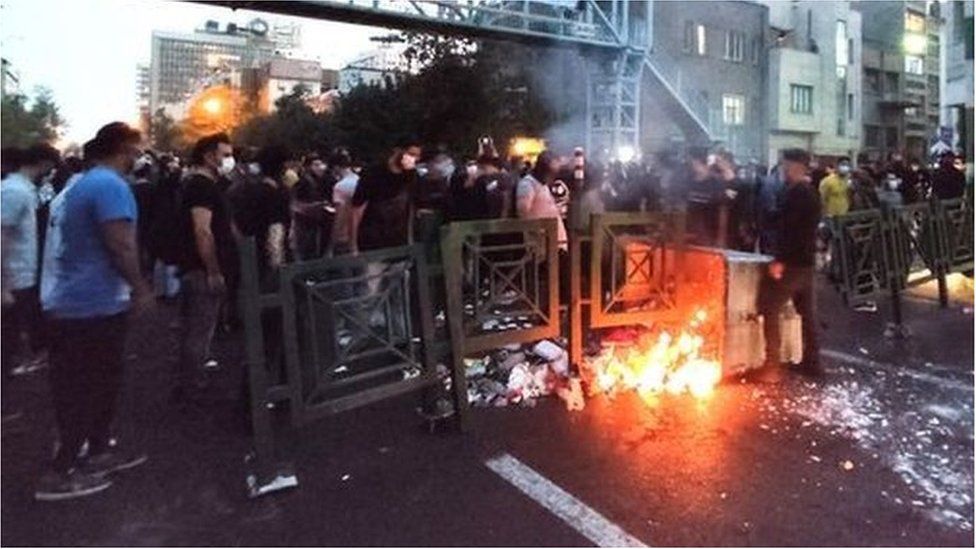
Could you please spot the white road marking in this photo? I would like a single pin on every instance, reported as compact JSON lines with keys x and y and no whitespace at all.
{"x":579,"y":516}
{"x":900,"y":370}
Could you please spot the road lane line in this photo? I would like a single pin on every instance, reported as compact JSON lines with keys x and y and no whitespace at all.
{"x":898,"y":370}
{"x":579,"y":516}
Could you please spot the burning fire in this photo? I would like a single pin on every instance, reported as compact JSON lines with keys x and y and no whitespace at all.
{"x":658,"y":363}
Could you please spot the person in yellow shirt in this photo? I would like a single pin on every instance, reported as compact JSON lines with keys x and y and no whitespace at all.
{"x":835,"y":190}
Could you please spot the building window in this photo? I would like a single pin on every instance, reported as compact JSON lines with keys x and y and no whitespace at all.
{"x":891,"y":137}
{"x":872,"y":80}
{"x":914,"y":22}
{"x":840,"y":44}
{"x":914,"y":65}
{"x":850,"y":51}
{"x":850,"y":106}
{"x":735,"y":46}
{"x":757,"y":47}
{"x":733,"y":110}
{"x":801,"y":99}
{"x":958,"y":20}
{"x":891,"y":82}
{"x":872,"y":136}
{"x":702,"y":46}
{"x":689,"y":42}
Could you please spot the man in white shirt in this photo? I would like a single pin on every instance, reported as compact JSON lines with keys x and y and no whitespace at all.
{"x":342,"y":194}
{"x":534,"y":200}
{"x":18,"y":217}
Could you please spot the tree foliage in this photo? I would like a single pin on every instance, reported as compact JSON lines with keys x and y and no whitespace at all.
{"x":27,"y":121}
{"x":458,"y":91}
{"x":293,"y":125}
{"x":164,"y":132}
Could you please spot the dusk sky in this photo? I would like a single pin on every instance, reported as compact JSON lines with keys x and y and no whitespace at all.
{"x":86,"y":52}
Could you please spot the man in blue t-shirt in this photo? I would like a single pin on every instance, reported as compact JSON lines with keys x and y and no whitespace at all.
{"x":96,"y":283}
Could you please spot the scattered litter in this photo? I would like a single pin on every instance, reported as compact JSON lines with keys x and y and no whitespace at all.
{"x":847,"y":465}
{"x":815,"y":459}
{"x":572,"y":395}
{"x":345,"y":477}
{"x":863,"y":351}
{"x":723,"y":495}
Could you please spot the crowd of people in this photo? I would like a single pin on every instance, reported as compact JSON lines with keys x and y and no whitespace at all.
{"x":92,"y":241}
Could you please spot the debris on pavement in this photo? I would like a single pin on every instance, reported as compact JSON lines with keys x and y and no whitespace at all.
{"x":519,"y":374}
{"x":847,"y":465}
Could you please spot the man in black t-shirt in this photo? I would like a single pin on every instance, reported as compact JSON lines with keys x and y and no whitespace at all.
{"x":312,"y":209}
{"x":207,"y":259}
{"x":383,"y":202}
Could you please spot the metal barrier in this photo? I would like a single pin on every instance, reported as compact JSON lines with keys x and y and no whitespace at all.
{"x":330,"y":335}
{"x":892,"y":249}
{"x":634,"y":260}
{"x":502,"y":282}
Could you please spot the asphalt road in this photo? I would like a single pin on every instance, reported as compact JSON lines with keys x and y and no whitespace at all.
{"x":878,"y":453}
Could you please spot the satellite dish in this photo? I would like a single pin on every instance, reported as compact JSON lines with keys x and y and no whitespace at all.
{"x":258,"y":27}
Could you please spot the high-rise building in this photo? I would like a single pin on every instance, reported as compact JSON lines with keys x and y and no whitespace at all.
{"x":814,"y":78}
{"x":901,"y":76}
{"x":143,"y":94}
{"x":183,"y":64}
{"x":957,"y":75}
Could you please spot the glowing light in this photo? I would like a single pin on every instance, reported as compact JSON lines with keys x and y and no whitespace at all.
{"x":212,"y":105}
{"x":915,"y":43}
{"x":626,"y":153}
{"x":527,"y":147}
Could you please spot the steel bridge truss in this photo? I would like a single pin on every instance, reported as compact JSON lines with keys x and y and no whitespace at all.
{"x":615,"y":36}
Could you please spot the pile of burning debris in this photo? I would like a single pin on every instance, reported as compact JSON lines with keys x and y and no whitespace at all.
{"x":649,"y":361}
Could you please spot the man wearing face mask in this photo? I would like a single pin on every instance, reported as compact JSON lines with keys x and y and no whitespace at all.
{"x":914,"y":182}
{"x":469,"y":194}
{"x":208,"y":258}
{"x":835,"y":189}
{"x":19,"y":202}
{"x":383,"y":202}
{"x":949,"y":181}
{"x":96,"y":285}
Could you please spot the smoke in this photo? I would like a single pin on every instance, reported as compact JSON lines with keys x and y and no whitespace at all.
{"x":558,"y":78}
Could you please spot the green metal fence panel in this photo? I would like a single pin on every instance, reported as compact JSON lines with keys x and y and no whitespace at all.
{"x":502,"y":279}
{"x":913,"y":244}
{"x":634,"y":266}
{"x":338,"y":333}
{"x":859,"y":254}
{"x":956,"y":234}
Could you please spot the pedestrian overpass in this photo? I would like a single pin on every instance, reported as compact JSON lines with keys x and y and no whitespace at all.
{"x":614,"y":36}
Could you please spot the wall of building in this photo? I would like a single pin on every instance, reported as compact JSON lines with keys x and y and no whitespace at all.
{"x":957,"y":79}
{"x":703,"y":79}
{"x":818,"y":47}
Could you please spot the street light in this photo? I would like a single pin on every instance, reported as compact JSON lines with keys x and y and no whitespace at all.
{"x":212,"y":106}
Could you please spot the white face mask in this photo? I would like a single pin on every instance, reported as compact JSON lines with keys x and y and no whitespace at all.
{"x":844,"y":169}
{"x":226,"y":165}
{"x":253,"y":168}
{"x":408,"y":162}
{"x":472,"y":170}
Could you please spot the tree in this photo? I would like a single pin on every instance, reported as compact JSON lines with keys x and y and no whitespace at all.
{"x":25,"y":125}
{"x":293,"y":125}
{"x":164,"y":133}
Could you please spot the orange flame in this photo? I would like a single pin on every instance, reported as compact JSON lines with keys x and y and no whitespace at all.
{"x":661,"y":364}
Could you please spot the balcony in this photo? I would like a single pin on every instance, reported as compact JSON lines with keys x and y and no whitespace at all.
{"x":896,"y":100}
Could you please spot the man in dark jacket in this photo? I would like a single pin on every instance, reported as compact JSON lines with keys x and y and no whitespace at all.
{"x":791,"y":274}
